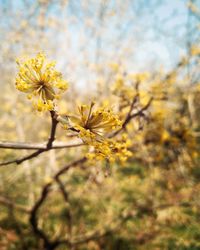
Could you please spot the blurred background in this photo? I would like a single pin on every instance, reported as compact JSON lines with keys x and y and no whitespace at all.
{"x":84,"y":35}
{"x":105,"y":48}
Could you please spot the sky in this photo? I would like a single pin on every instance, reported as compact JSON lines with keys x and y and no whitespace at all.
{"x":140,"y":34}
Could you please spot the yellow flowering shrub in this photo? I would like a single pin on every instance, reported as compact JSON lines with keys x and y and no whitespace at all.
{"x":58,"y":189}
{"x":93,"y":126}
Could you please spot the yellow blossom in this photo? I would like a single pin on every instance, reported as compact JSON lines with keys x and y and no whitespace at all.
{"x":91,"y":125}
{"x":40,"y":81}
{"x":94,"y":128}
{"x":111,"y":150}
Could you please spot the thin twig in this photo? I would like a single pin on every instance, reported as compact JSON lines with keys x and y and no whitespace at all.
{"x":68,"y":213}
{"x":130,"y":116}
{"x":31,"y":146}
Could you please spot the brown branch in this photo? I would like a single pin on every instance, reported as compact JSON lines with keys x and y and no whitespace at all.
{"x":48,"y":147}
{"x":33,"y":217}
{"x":25,"y":158}
{"x":140,"y":112}
{"x":54,"y":123}
{"x":68,"y":213}
{"x":31,"y":146}
{"x":62,"y":189}
{"x":34,"y":211}
{"x":130,"y":116}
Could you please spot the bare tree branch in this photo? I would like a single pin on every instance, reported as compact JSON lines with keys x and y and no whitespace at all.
{"x":68,"y":213}
{"x":31,"y":146}
{"x":48,"y":147}
{"x":34,"y":212}
{"x":130,"y":116}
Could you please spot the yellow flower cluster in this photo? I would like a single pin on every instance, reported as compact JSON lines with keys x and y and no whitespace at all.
{"x":93,"y":127}
{"x":111,"y":150}
{"x":41,"y":81}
